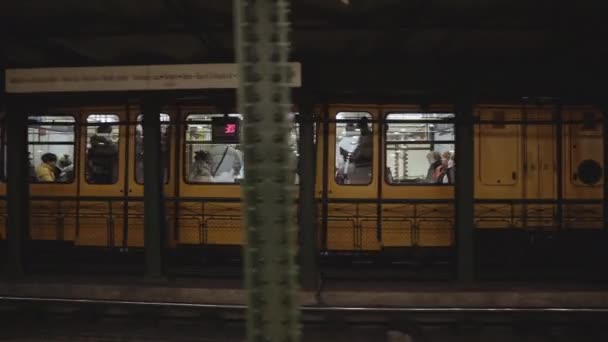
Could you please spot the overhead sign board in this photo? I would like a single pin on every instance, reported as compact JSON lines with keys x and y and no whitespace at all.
{"x":125,"y":78}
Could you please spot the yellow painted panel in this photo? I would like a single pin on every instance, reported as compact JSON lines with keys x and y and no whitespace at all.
{"x":223,"y":231}
{"x":390,"y":211}
{"x":435,"y":233}
{"x":547,"y":162}
{"x":52,"y":220}
{"x":496,"y":216}
{"x":100,"y":226}
{"x":369,"y":234}
{"x":190,"y":230}
{"x":499,"y":153}
{"x":341,"y":234}
{"x":583,"y":216}
{"x":397,"y":233}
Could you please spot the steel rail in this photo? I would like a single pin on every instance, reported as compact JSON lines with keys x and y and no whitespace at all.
{"x":318,"y":308}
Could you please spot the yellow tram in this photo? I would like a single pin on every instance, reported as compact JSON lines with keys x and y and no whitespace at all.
{"x":401,"y":196}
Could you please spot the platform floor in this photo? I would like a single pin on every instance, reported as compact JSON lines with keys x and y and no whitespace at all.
{"x":56,"y":328}
{"x":331,"y":294}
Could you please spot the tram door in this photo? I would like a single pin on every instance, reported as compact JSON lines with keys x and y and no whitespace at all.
{"x":211,"y":170}
{"x":135,"y":237}
{"x":498,"y":165}
{"x":352,"y":178}
{"x":411,"y":137}
{"x":539,"y":167}
{"x":102,"y":174}
{"x":583,"y":166}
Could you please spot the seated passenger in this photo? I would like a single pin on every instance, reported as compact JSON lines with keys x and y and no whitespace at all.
{"x":346,"y":145}
{"x":200,"y":171}
{"x":362,"y":156}
{"x":45,"y":172}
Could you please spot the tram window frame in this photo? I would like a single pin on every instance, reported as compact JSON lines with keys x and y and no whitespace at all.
{"x":370,"y":123}
{"x":294,"y":127}
{"x":295,"y":119}
{"x":444,"y":118}
{"x":73,"y":143}
{"x":139,"y":120}
{"x":112,"y":124}
{"x":187,"y":143}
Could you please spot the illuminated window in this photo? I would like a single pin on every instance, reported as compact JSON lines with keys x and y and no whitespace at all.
{"x":419,"y":148}
{"x":165,"y":133}
{"x":208,"y":161}
{"x":354,"y":148}
{"x":102,"y":149}
{"x":51,"y":148}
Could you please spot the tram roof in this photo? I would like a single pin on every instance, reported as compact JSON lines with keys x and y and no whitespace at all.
{"x":551,"y":46}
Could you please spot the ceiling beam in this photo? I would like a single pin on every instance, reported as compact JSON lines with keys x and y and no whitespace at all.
{"x":54,"y":30}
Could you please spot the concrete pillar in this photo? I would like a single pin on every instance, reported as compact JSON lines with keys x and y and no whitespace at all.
{"x":309,"y":248}
{"x":464,"y":195}
{"x":154,"y":218}
{"x":17,"y":187}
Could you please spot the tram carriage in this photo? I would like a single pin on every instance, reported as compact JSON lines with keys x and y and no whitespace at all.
{"x":390,"y":203}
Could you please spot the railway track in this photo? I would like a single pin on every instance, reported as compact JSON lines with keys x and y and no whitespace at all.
{"x":60,"y":319}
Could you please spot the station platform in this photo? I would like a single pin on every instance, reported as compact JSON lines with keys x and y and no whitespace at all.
{"x":332,"y":294}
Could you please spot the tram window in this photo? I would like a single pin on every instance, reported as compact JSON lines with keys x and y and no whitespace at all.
{"x":419,"y":148}
{"x":354,"y":148}
{"x":209,"y":162}
{"x":206,"y":161}
{"x":51,"y":148}
{"x":102,"y":149}
{"x":164,"y":145}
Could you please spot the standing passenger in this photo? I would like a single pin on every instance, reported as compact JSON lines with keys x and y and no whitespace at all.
{"x":362,"y":156}
{"x":452,"y":170}
{"x":434,"y":159}
{"x":442,"y":170}
{"x":226,"y":163}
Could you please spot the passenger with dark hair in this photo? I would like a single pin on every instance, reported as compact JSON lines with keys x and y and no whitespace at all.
{"x":362,"y":155}
{"x":434,"y":159}
{"x":102,"y":157}
{"x":200,"y":171}
{"x":46,"y":171}
{"x":445,"y":170}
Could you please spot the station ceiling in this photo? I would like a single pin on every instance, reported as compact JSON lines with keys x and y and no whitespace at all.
{"x":537,"y":47}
